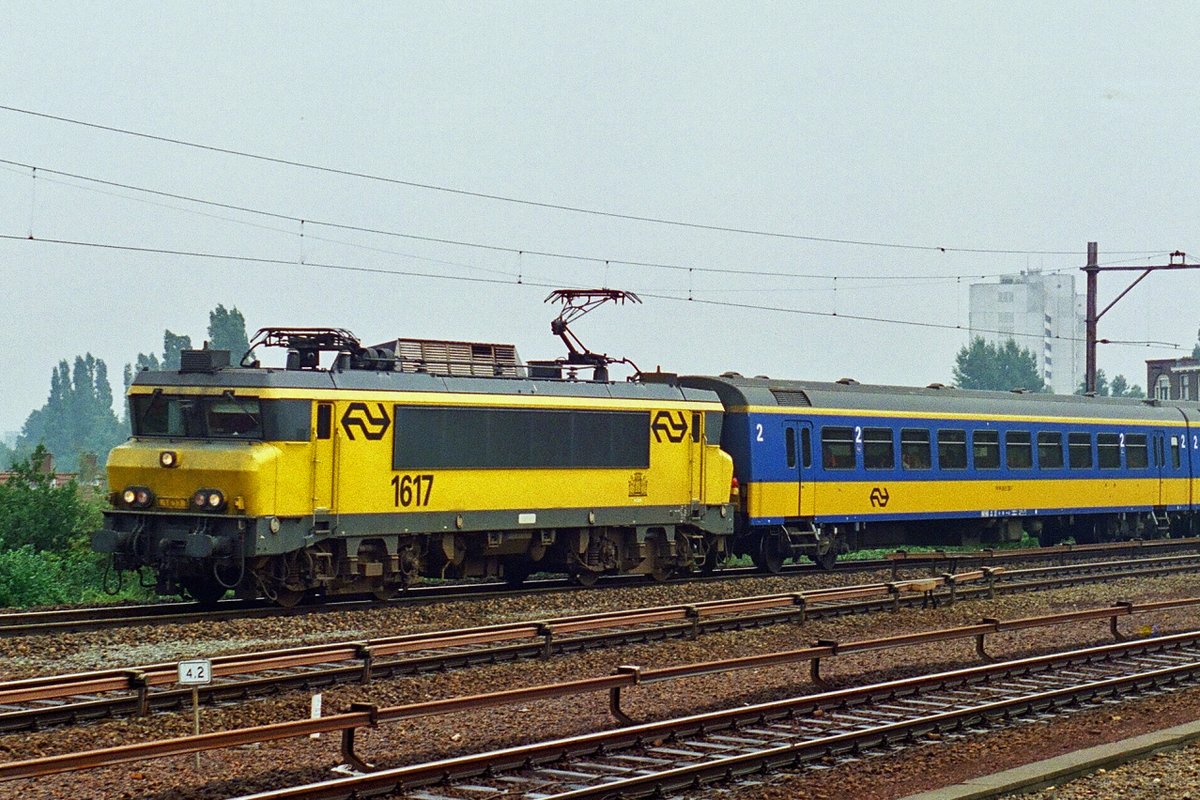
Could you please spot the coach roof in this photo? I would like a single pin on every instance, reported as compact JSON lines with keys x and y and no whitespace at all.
{"x":738,"y":393}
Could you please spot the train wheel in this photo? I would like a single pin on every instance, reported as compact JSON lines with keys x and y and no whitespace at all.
{"x":825,"y":560}
{"x":204,"y":592}
{"x":586,"y":578}
{"x":769,"y":556}
{"x":288,"y":598}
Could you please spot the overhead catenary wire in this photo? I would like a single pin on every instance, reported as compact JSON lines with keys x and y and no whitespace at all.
{"x":515,"y":250}
{"x":533,"y":203}
{"x":229,"y":257}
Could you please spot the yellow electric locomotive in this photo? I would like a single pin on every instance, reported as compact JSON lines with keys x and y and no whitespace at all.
{"x":415,"y":459}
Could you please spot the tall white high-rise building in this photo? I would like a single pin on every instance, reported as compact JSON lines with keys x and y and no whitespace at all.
{"x":1043,"y":314}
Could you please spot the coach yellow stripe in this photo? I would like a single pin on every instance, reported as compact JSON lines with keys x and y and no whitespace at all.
{"x":964,"y":497}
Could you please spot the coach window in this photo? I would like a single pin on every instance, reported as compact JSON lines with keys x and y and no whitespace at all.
{"x":1136,"y":452}
{"x":878,"y":450}
{"x":914,"y":449}
{"x":1108,"y":450}
{"x":1050,"y":452}
{"x":1175,"y":452}
{"x":789,"y":438}
{"x":837,"y":448}
{"x":806,"y":447}
{"x":1018,"y":449}
{"x":952,"y":449}
{"x":1079,"y":445}
{"x":986,"y":449}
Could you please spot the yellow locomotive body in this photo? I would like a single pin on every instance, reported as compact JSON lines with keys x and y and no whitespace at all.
{"x":363,"y":477}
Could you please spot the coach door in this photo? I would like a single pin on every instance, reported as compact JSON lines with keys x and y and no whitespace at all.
{"x":798,"y":458}
{"x":323,"y":458}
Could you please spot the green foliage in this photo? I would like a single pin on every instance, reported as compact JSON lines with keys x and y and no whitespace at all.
{"x":78,"y":415}
{"x":144,"y":361}
{"x":35,"y":512}
{"x":227,"y":331}
{"x":172,"y":344}
{"x":29,"y":578}
{"x":1118,"y":388}
{"x":44,"y":530}
{"x":985,"y":365}
{"x":1196,"y":347}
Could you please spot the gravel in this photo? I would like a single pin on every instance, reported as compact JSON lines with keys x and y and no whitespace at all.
{"x":1165,"y":776}
{"x":224,"y":773}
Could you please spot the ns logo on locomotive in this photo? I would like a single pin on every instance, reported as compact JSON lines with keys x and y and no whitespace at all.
{"x":449,"y":459}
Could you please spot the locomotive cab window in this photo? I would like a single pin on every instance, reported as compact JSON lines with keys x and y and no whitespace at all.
{"x":224,"y":416}
{"x":879,"y":452}
{"x":1136,"y":451}
{"x":914,"y":449}
{"x":986,"y":449}
{"x":234,"y":416}
{"x":952,"y":449}
{"x":837,"y":448}
{"x":1018,"y":449}
{"x":1108,"y":450}
{"x":1050,"y":450}
{"x":1079,"y":446}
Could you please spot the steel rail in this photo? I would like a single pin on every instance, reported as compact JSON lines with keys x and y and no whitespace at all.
{"x":568,"y":756}
{"x":316,"y":666}
{"x":32,"y":623}
{"x":364,"y":715}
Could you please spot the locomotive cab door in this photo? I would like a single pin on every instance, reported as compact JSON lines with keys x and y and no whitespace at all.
{"x":323,"y":458}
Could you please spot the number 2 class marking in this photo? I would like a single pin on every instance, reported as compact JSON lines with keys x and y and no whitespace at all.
{"x":758,"y":428}
{"x":407,"y":490}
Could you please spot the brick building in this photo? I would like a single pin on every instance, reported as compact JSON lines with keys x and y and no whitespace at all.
{"x":1173,"y":379}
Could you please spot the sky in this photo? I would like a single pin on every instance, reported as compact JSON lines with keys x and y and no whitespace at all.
{"x":1019,"y":131}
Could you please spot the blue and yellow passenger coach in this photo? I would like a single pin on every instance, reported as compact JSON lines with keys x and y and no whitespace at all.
{"x":827,"y":467}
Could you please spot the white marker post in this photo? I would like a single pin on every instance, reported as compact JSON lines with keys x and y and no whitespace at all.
{"x":195,"y":673}
{"x":315,"y":713}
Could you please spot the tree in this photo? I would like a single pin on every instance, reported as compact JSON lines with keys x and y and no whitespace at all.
{"x":1196,"y":347}
{"x":1118,"y":388}
{"x":78,"y":415}
{"x":172,"y":344}
{"x":227,"y":331}
{"x":35,"y":512}
{"x":144,"y":361}
{"x":1121,"y":388}
{"x":985,"y":365}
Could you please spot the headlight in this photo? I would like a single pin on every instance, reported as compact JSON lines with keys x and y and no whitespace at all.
{"x":168,"y":458}
{"x":208,"y":500}
{"x":137,"y":497}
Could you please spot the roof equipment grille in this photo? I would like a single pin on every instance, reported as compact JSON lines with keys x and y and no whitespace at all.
{"x":794,"y":397}
{"x":438,"y":357}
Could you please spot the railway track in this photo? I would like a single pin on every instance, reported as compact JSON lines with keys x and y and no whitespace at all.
{"x":797,"y":730}
{"x":66,"y":699}
{"x":661,"y":758}
{"x":75,"y":620}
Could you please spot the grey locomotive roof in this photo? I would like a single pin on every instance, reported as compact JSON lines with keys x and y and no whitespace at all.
{"x":368,"y":380}
{"x":738,"y":391}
